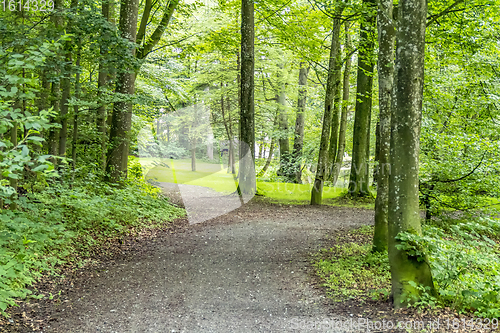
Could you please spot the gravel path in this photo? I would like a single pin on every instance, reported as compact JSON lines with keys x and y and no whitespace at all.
{"x":246,"y":271}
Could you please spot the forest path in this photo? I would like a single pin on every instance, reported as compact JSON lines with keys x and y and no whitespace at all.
{"x":246,"y":271}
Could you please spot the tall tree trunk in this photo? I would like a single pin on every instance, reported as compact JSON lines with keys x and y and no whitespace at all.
{"x":43,"y":96}
{"x":53,"y":133}
{"x":284,"y":143}
{"x":12,"y":181}
{"x":229,"y":133}
{"x":359,"y":178}
{"x":65,"y":87}
{"x":116,"y":167}
{"x":298,"y":141}
{"x":193,"y":155}
{"x":345,"y":108}
{"x":55,"y":94}
{"x":321,"y":170}
{"x":334,"y":130}
{"x":247,"y":126}
{"x":107,"y":10}
{"x":404,"y":211}
{"x":231,"y":141}
{"x":386,"y":37}
{"x":75,"y":107}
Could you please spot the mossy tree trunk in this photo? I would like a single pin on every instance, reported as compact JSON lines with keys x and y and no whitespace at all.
{"x":386,"y":37}
{"x":321,"y":169}
{"x":298,"y":141}
{"x":121,"y":122}
{"x":404,"y":211}
{"x":345,"y":109}
{"x":359,"y":178}
{"x":284,"y":142}
{"x":247,"y":124}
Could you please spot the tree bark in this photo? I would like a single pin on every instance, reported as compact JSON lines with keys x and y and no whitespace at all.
{"x":404,"y":212}
{"x":334,"y":130}
{"x":75,"y":108}
{"x":150,"y":43}
{"x":66,"y":87}
{"x":12,"y":181}
{"x":298,"y":141}
{"x":321,"y":170}
{"x":121,"y":123}
{"x":231,"y":141}
{"x":284,"y":143}
{"x":102,"y":82}
{"x":345,"y":108}
{"x":359,"y":178}
{"x":386,"y":38}
{"x":55,"y":93}
{"x":247,"y":126}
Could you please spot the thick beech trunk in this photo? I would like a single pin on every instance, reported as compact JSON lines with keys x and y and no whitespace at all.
{"x":247,"y":125}
{"x":116,"y":167}
{"x":404,"y":211}
{"x":386,"y":36}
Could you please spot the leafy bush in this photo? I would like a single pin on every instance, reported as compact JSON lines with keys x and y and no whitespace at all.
{"x":465,"y":264}
{"x":464,"y":259}
{"x":50,"y":226}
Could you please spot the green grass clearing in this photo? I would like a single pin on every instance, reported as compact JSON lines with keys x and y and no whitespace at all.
{"x":215,"y":176}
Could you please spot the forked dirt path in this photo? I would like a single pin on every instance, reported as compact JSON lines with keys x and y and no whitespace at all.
{"x":246,"y":271}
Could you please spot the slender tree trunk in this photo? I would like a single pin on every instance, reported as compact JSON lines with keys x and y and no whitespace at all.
{"x":107,"y":10}
{"x":271,"y":148}
{"x":12,"y":181}
{"x":53,"y":133}
{"x":193,"y":155}
{"x":345,"y":107}
{"x":321,"y":170}
{"x":231,"y":140}
{"x":359,"y":178}
{"x":116,"y":167}
{"x":229,"y":133}
{"x":404,"y":211}
{"x":66,"y":87}
{"x":247,"y":126}
{"x":283,"y":141}
{"x":386,"y":37}
{"x":298,"y":141}
{"x":55,"y":94}
{"x":75,"y":108}
{"x":334,"y":130}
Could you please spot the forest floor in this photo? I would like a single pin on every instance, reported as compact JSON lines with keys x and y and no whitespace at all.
{"x":246,"y":271}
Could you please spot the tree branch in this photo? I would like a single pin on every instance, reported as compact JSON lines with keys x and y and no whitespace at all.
{"x":148,"y":46}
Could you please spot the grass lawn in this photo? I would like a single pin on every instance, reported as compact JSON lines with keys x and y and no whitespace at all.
{"x":215,"y":176}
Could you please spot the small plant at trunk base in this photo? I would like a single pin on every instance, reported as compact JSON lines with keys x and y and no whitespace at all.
{"x":464,"y":259}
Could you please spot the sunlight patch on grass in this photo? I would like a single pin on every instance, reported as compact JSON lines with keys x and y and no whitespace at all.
{"x":179,"y":171}
{"x":294,"y":193}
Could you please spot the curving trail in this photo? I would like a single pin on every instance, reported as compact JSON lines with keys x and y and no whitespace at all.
{"x":246,"y":271}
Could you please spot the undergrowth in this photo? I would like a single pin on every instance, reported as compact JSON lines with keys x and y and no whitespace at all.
{"x":464,"y":259}
{"x":58,"y":225}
